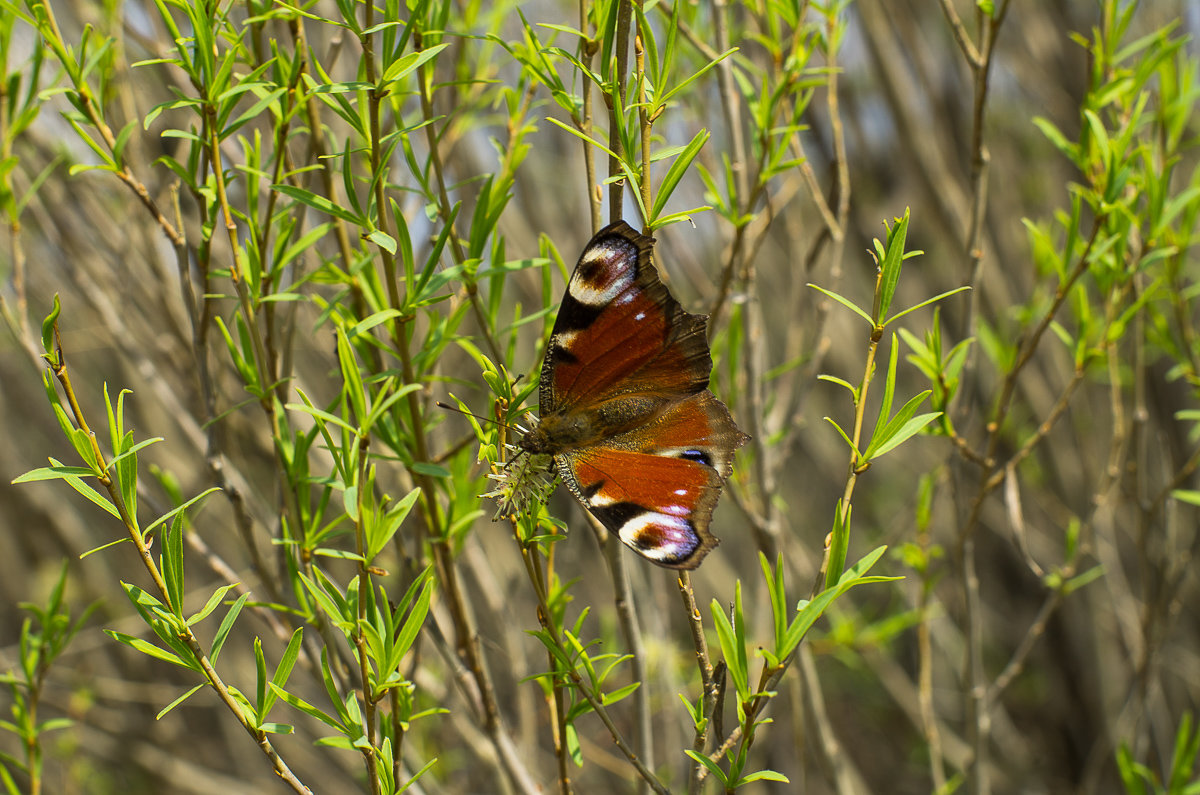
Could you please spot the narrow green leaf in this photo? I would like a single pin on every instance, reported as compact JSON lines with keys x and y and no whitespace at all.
{"x":318,"y":202}
{"x":925,"y":303}
{"x":308,"y":709}
{"x":381,"y":533}
{"x":839,"y":543}
{"x":383,"y":240}
{"x":619,"y":693}
{"x":177,"y":702}
{"x":890,"y":267}
{"x":712,"y":766}
{"x":405,"y":65}
{"x":846,"y":302}
{"x":1187,"y":495}
{"x":172,"y":566}
{"x":226,"y":625}
{"x":87,"y":491}
{"x":735,"y":658}
{"x":371,"y":321}
{"x":171,"y":514}
{"x":210,"y":605}
{"x":808,"y":612}
{"x":353,"y":387}
{"x":842,"y":433}
{"x":146,"y":648}
{"x":676,"y":173}
{"x":904,"y":432}
{"x":48,"y":325}
{"x":52,"y":473}
{"x":889,"y":392}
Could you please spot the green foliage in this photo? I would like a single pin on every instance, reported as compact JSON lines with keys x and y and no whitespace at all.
{"x":44,"y":636}
{"x":1180,"y":776}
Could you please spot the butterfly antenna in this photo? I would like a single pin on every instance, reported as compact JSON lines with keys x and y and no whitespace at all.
{"x":448,"y":407}
{"x":514,"y":430}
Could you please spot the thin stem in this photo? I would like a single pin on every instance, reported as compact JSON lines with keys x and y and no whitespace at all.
{"x":708,"y":692}
{"x":631,"y":631}
{"x":616,"y":107}
{"x":645,"y":125}
{"x":587,"y":53}
{"x":365,"y":588}
{"x":262,"y":739}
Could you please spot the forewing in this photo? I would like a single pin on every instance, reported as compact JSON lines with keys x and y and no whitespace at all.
{"x":619,"y":331}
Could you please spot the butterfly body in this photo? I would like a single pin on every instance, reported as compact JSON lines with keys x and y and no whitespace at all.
{"x":624,"y":404}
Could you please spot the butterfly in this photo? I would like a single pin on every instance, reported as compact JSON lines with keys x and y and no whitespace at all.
{"x":624,"y":404}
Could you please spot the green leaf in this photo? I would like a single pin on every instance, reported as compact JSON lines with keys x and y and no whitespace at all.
{"x":1183,"y":495}
{"x":775,"y":591}
{"x":177,"y":702}
{"x":835,"y":380}
{"x":676,"y":173}
{"x":321,"y":415}
{"x":731,"y":635}
{"x":907,"y":430}
{"x":839,"y":543}
{"x":384,"y":241}
{"x":52,"y":473}
{"x":318,"y":202}
{"x":48,"y":325}
{"x":846,"y":302}
{"x":693,"y":76}
{"x":712,"y":766}
{"x":380,"y":534}
{"x":404,"y":66}
{"x":808,"y":612}
{"x":72,"y":476}
{"x":619,"y":693}
{"x":353,"y":387}
{"x":845,"y":437}
{"x":432,"y":470}
{"x":210,"y":605}
{"x":925,"y":303}
{"x":226,"y":625}
{"x":146,"y":648}
{"x":885,"y":437}
{"x":1080,"y":580}
{"x":172,"y":566}
{"x":371,"y":321}
{"x":308,"y":709}
{"x":889,"y":391}
{"x":584,"y":137}
{"x":890,"y":266}
{"x":169,"y":515}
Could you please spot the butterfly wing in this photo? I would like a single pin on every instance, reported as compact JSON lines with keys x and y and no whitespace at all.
{"x":619,"y":331}
{"x":656,"y":486}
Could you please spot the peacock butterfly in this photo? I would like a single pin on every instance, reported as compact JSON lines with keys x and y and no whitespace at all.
{"x":625,"y":409}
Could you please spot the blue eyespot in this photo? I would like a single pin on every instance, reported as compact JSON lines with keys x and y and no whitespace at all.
{"x":699,"y":456}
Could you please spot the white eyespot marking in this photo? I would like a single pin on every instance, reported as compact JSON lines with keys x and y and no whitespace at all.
{"x":600,"y":500}
{"x":602,"y":294}
{"x":681,"y":492}
{"x":602,"y":251}
{"x":640,"y":316}
{"x":603,"y":274}
{"x":564,"y":339}
{"x":659,"y":536}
